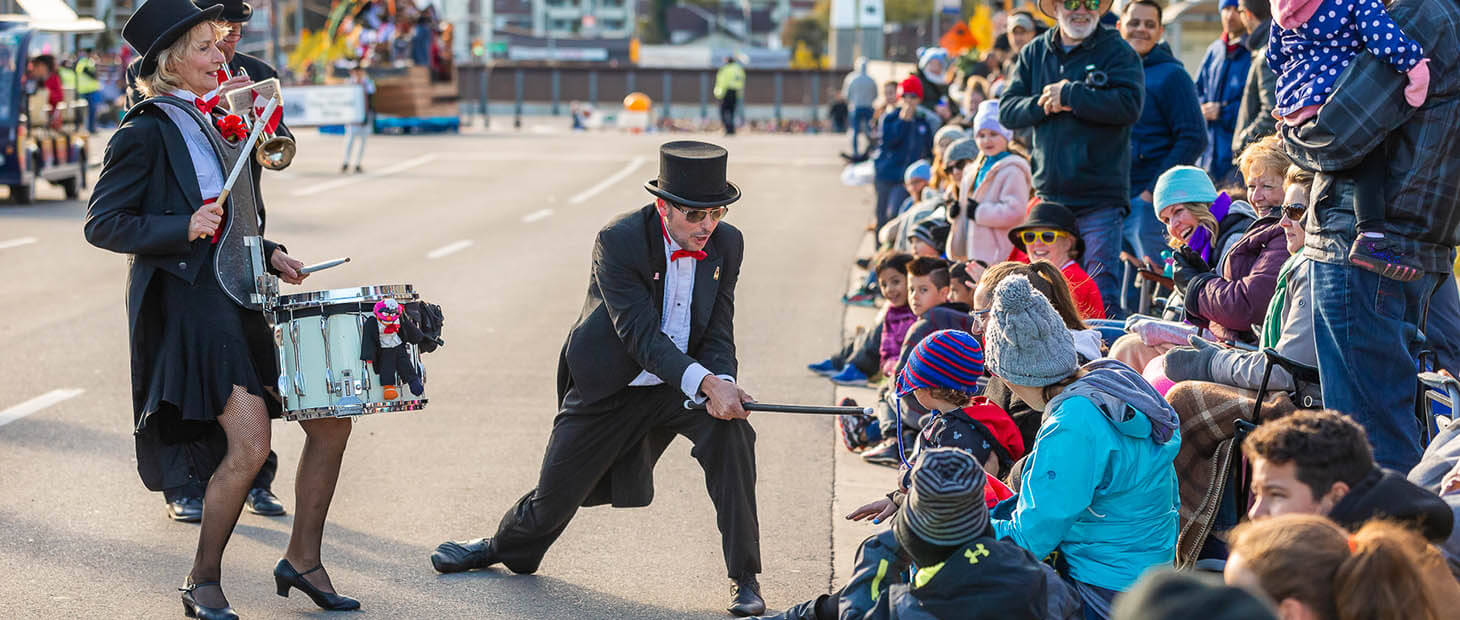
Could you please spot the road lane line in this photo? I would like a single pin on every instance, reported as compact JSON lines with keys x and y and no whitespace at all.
{"x":15,"y":243}
{"x":450,"y":248}
{"x":583,"y":196}
{"x":384,"y":172}
{"x":36,"y":404}
{"x":536,"y":215}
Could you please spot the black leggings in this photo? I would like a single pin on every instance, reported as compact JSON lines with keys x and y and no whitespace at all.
{"x":1369,"y":203}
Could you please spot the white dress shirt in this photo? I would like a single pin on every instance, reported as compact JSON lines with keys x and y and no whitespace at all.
{"x":205,"y":162}
{"x":679,"y":285}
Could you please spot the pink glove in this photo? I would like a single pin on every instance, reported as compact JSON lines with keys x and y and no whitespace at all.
{"x":1419,"y":83}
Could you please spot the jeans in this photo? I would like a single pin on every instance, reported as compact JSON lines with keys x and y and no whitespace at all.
{"x":861,"y":124}
{"x":353,"y":134}
{"x":1100,"y":228}
{"x":890,"y":195}
{"x":1365,"y":327}
{"x":1143,"y":236}
{"x":1442,"y":330}
{"x":93,"y":101}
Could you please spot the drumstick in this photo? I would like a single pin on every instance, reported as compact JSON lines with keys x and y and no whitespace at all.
{"x":253,"y":138}
{"x":810,"y":409}
{"x":324,"y":265}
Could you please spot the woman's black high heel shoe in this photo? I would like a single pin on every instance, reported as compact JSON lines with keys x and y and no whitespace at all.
{"x":286,"y":577}
{"x":192,"y":609}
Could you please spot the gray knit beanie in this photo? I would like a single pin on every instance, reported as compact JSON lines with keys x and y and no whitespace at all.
{"x":1025,"y":342}
{"x":961,"y":149}
{"x":944,"y":507}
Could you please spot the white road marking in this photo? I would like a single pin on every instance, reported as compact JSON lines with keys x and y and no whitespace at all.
{"x":15,"y":243}
{"x":536,"y":215}
{"x":450,"y":248}
{"x":384,"y":172}
{"x":36,"y":404}
{"x":584,"y":195}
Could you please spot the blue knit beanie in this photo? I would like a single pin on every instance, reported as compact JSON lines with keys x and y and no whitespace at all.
{"x":919,"y":169}
{"x":1227,"y":4}
{"x":1180,"y":185}
{"x":949,"y":359}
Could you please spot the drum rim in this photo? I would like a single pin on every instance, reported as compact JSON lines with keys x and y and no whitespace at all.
{"x":369,"y":408}
{"x":369,"y":292}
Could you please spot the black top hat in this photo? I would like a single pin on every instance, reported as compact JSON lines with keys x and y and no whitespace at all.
{"x":1048,"y":214}
{"x":236,"y":11}
{"x":157,"y":23}
{"x":692,"y":174}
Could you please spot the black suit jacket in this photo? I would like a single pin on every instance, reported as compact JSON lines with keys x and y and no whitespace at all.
{"x":618,"y":335}
{"x":141,"y":204}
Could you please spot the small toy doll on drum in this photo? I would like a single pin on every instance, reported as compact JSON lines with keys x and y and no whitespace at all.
{"x":383,"y":346}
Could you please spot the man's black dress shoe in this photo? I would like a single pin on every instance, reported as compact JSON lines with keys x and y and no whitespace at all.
{"x":745,"y":598}
{"x":186,"y":509}
{"x":455,"y":557}
{"x":263,"y":502}
{"x":286,"y":577}
{"x":192,"y":609}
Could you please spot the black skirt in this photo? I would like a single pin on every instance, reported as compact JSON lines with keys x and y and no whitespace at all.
{"x":207,"y":345}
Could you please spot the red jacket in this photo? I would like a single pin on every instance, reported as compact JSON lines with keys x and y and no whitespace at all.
{"x":1083,"y":289}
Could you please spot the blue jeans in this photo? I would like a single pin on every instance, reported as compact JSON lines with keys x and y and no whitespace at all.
{"x":1143,"y":236}
{"x":1100,"y":228}
{"x":1366,"y":328}
{"x":861,"y":124}
{"x":1442,"y":330}
{"x":890,"y":195}
{"x":93,"y":101}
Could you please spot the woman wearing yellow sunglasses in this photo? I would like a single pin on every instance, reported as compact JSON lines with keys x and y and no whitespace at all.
{"x":1050,"y":234}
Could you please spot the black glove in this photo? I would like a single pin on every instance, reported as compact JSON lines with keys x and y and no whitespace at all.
{"x":953,"y":210}
{"x":1193,"y":363}
{"x":1188,"y":265}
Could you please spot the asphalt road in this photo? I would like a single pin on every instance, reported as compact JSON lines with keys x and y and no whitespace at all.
{"x":497,"y":230}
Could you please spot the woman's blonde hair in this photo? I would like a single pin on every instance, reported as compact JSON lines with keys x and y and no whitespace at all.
{"x":165,"y":78}
{"x":1377,"y":573}
{"x":1264,"y":156}
{"x":1298,"y":176}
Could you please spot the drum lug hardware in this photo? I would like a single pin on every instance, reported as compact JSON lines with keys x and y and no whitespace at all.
{"x":349,"y":404}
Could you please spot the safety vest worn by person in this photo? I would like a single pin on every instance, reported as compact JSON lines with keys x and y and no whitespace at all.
{"x":82,"y":78}
{"x":729,"y":77}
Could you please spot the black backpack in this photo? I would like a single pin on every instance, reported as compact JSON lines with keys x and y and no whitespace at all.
{"x":428,"y":320}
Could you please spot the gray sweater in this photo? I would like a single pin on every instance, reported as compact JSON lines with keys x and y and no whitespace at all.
{"x":1244,"y":368}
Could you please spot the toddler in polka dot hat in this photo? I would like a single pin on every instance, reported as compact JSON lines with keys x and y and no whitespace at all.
{"x":1312,"y":42}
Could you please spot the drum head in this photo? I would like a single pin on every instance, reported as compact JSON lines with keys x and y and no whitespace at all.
{"x":371,"y":293}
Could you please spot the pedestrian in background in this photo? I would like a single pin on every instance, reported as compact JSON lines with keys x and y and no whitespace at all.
{"x":729,"y":84}
{"x":1219,"y":86}
{"x":357,"y":132}
{"x":860,"y":91}
{"x":907,"y":136}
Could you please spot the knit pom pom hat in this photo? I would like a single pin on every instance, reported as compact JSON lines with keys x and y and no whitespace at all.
{"x":1026,"y":343}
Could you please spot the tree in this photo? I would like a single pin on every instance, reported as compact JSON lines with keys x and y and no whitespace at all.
{"x":809,"y":31}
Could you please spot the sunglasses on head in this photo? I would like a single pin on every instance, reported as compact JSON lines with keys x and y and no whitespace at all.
{"x":1294,"y":211}
{"x":1043,"y":236}
{"x":695,"y":216}
{"x":1074,"y":5}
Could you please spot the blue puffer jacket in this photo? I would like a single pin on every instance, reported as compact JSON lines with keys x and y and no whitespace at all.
{"x":1099,"y":486}
{"x":1222,"y":77}
{"x":1171,"y":131}
{"x":903,"y":142}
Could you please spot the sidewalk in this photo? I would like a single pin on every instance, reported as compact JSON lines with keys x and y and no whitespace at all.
{"x":856,"y":481}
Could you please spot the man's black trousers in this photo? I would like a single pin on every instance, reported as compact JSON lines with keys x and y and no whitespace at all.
{"x":588,"y":438}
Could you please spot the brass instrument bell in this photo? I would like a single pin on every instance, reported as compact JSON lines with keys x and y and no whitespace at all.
{"x":275,"y":152}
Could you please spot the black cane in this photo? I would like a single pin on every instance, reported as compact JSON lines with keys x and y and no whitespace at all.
{"x":808,"y":409}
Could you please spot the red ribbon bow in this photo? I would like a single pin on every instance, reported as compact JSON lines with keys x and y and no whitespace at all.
{"x":392,"y":328}
{"x":206,"y":105}
{"x":232,"y":128}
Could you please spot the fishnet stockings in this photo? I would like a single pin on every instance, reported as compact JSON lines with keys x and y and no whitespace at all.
{"x":245,"y":420}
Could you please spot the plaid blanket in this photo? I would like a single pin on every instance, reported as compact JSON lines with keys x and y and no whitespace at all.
{"x":1208,"y":413}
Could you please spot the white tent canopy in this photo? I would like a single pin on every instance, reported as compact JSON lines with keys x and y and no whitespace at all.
{"x":55,"y":16}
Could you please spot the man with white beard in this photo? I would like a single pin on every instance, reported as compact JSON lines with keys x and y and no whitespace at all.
{"x":1080,"y":88}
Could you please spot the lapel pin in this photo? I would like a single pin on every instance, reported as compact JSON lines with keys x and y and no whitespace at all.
{"x":656,"y":276}
{"x":717,"y":273}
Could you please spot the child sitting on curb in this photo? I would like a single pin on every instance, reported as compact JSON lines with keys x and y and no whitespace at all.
{"x":896,"y":318}
{"x":961,"y":570}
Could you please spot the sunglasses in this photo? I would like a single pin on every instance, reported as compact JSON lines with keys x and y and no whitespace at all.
{"x":1074,"y":5}
{"x":955,"y":166}
{"x":1043,"y":236}
{"x":1294,"y":211}
{"x":695,"y":216}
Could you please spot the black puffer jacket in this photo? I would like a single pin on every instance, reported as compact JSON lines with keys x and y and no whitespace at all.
{"x":1386,"y":494}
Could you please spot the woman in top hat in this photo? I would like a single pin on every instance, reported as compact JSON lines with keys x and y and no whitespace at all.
{"x":657,"y":328}
{"x":200,"y":363}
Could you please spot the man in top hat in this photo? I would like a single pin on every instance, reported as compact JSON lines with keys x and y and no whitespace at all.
{"x":1079,"y":88}
{"x":657,"y":328}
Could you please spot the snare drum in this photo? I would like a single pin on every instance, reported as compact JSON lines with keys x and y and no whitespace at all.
{"x":318,"y":336}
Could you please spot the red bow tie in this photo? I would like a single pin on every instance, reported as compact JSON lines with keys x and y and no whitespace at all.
{"x":392,"y":328}
{"x":695,"y":254}
{"x":205,"y":105}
